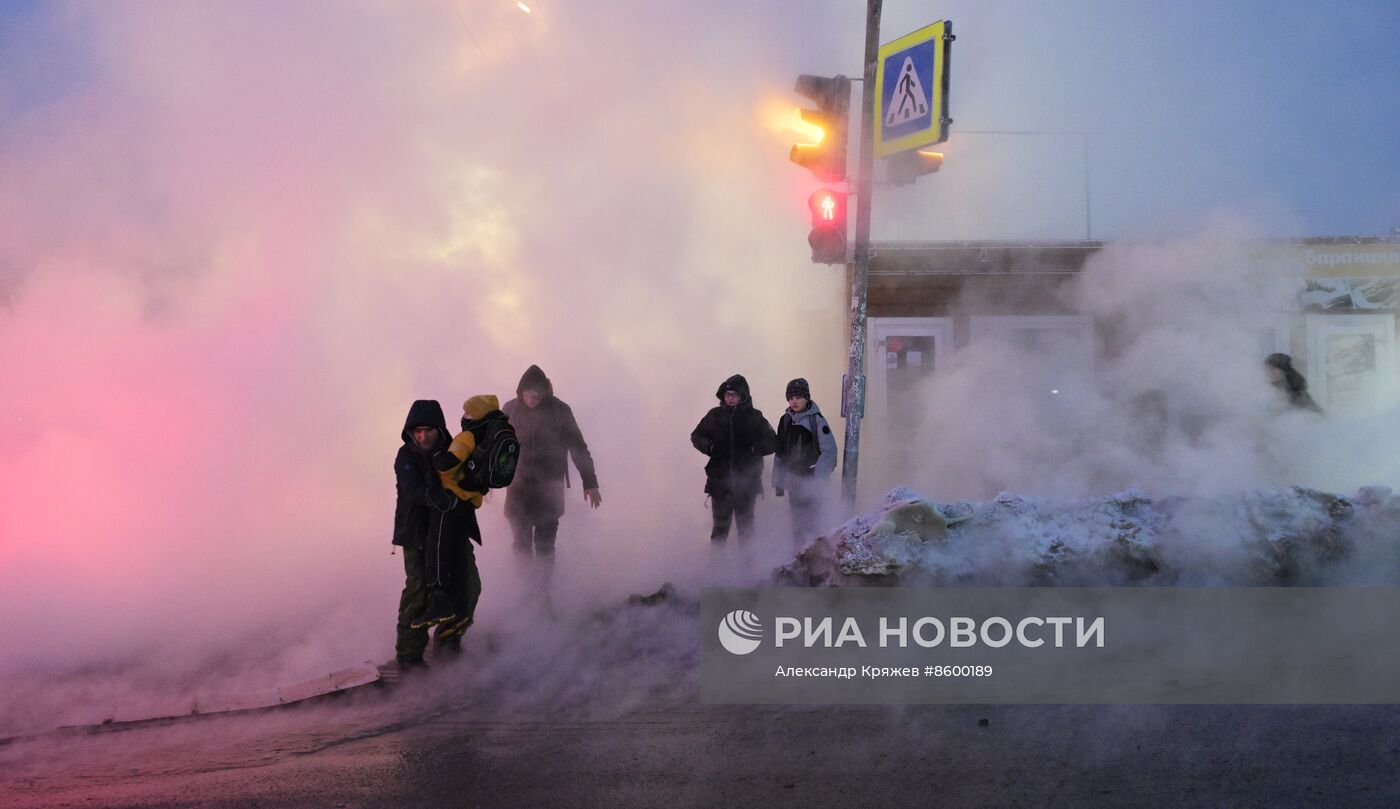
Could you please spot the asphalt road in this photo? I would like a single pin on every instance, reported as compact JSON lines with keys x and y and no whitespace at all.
{"x":395,"y":748}
{"x":601,"y":709}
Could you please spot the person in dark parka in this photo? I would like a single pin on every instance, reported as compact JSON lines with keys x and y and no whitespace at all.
{"x":549,"y":436}
{"x":735,"y":436}
{"x":1289,"y":382}
{"x":425,"y":509}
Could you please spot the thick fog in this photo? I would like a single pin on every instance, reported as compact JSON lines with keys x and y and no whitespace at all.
{"x":239,"y":239}
{"x":1164,"y":391}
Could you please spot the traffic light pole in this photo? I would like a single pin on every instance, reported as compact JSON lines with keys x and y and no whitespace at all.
{"x":859,"y":270}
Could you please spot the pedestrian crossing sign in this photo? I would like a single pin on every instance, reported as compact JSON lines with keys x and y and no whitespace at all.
{"x":911,"y":105}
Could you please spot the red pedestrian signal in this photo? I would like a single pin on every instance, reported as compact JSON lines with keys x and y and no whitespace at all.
{"x":828,"y":236}
{"x":828,"y":207}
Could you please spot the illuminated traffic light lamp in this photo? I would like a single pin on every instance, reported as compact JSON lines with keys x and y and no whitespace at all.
{"x":828,"y":236}
{"x":825,"y":126}
{"x":906,"y":167}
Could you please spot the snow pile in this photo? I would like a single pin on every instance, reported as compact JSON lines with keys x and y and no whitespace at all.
{"x":1295,"y":536}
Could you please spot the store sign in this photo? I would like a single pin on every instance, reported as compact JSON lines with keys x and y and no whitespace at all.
{"x":1355,"y":276}
{"x":1370,"y":260}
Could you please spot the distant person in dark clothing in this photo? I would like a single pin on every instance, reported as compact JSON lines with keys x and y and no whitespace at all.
{"x":735,"y":436}
{"x":1289,"y":382}
{"x":424,"y":510}
{"x":804,"y":461}
{"x":549,"y":436}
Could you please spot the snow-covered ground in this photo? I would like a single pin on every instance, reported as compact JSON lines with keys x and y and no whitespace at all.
{"x":1259,"y":537}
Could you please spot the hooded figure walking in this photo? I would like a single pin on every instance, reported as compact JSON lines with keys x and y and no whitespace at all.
{"x":549,"y":435}
{"x":805,"y":459}
{"x":435,"y":528}
{"x":735,"y":436}
{"x":1289,"y":382}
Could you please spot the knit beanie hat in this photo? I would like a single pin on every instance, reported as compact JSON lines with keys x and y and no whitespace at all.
{"x":478,"y":406}
{"x":798,"y":387}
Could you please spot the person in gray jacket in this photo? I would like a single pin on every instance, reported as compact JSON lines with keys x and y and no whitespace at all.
{"x":806,"y":457}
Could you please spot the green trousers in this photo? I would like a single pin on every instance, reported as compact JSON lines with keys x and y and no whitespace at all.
{"x":466,"y":591}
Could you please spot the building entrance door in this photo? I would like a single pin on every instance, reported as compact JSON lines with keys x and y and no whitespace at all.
{"x":905,"y":353}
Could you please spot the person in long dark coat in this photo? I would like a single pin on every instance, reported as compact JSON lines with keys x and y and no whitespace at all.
{"x":549,"y":435}
{"x":736,"y":437}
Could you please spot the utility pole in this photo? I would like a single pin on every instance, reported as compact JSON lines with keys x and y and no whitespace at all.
{"x":859,"y":269}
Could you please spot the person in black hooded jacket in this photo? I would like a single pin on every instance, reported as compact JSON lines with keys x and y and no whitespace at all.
{"x":435,"y":530}
{"x":549,"y":436}
{"x":735,"y":436}
{"x":1289,"y":382}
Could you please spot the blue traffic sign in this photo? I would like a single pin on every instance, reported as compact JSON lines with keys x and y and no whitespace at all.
{"x":912,"y":102}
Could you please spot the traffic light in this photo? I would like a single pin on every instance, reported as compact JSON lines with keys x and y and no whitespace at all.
{"x":825,"y":157}
{"x":905,"y":167}
{"x":828,"y":236}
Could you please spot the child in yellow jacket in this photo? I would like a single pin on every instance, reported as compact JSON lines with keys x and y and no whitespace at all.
{"x":453,"y":470}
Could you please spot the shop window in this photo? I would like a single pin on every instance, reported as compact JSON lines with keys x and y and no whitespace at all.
{"x":1351,"y":361}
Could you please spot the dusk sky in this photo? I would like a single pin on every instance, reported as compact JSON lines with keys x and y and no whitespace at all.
{"x":1284,"y":111}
